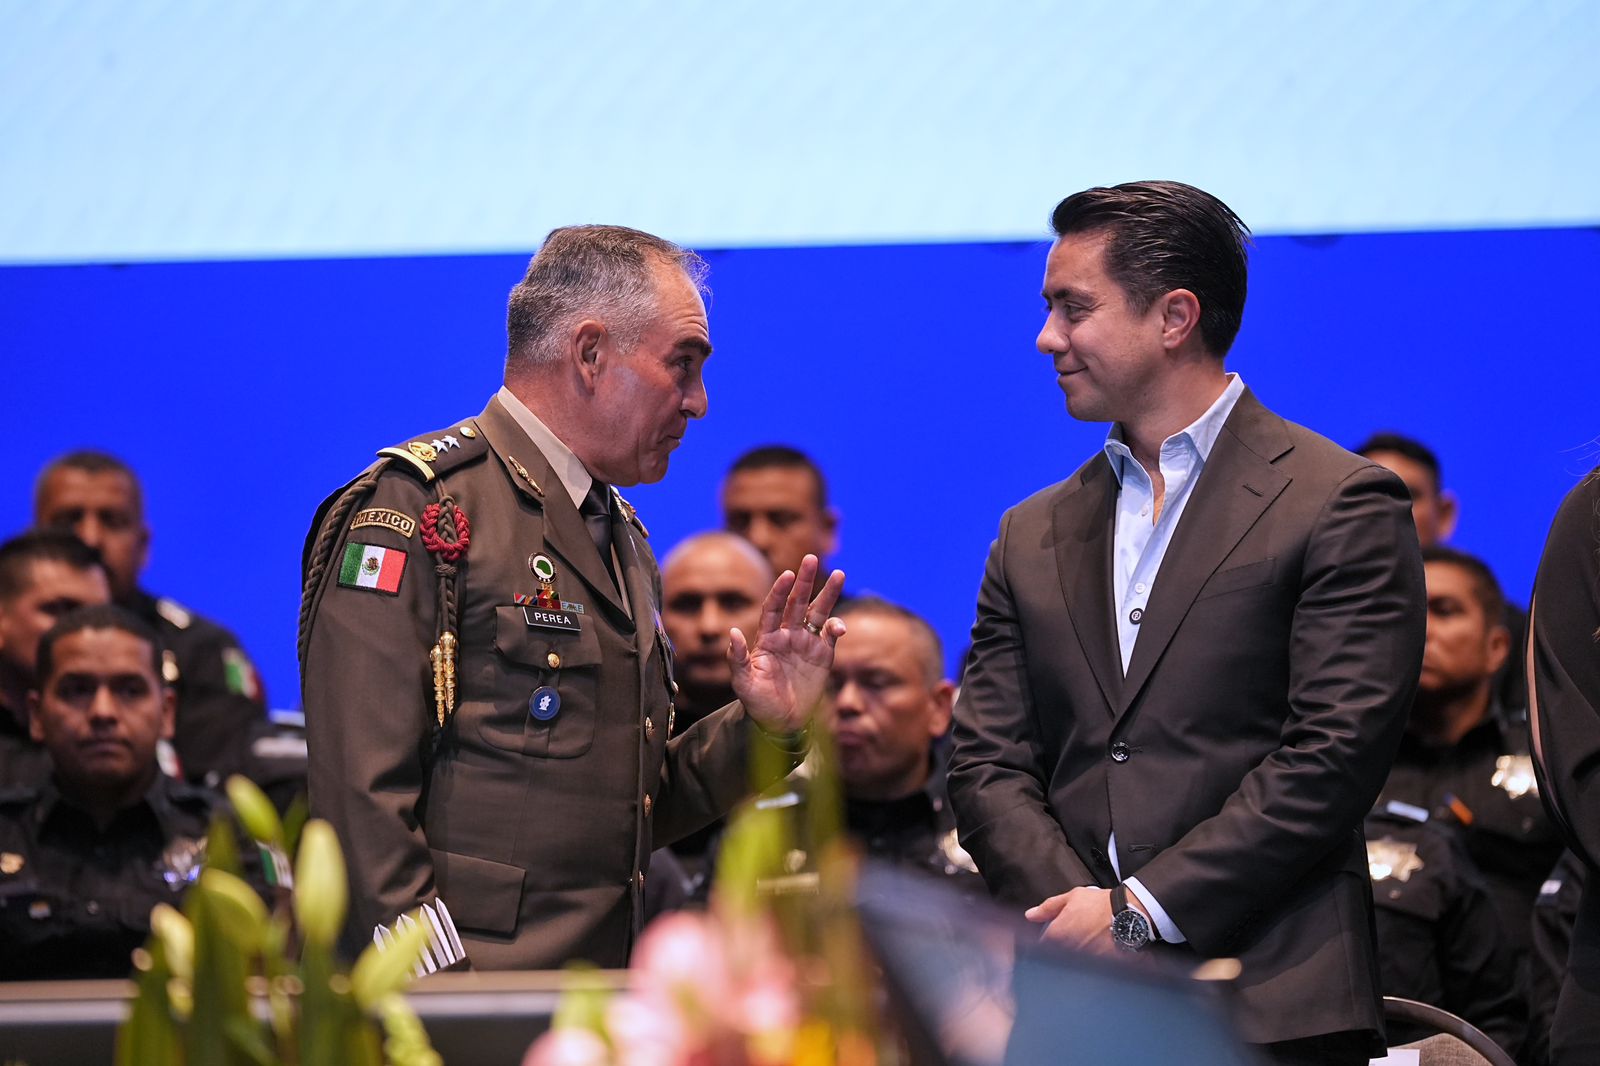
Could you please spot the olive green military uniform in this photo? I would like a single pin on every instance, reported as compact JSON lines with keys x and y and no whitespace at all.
{"x":532,"y":809}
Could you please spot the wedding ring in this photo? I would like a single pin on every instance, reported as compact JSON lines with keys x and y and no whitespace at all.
{"x":812,"y":628}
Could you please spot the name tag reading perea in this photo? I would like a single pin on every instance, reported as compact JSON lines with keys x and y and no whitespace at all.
{"x":544,"y":618}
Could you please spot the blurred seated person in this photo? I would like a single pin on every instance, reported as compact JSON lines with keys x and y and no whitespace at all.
{"x":710,"y":583}
{"x":86,"y":854}
{"x":221,"y":706}
{"x":1435,"y":511}
{"x":1555,"y":914}
{"x":888,"y":710}
{"x":42,"y":577}
{"x":1439,"y":936}
{"x":776,"y":498}
{"x":1464,"y":758}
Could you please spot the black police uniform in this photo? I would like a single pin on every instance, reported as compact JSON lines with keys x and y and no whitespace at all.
{"x":1555,"y":913}
{"x":916,"y":832}
{"x":22,"y":761}
{"x":221,"y":706}
{"x":1489,"y":776}
{"x":1439,"y":937}
{"x":75,"y":900}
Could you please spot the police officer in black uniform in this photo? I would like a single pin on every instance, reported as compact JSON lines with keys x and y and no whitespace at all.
{"x":889,"y":712}
{"x":1439,"y":937}
{"x":86,"y":855}
{"x":221,"y":704}
{"x":1465,"y":758}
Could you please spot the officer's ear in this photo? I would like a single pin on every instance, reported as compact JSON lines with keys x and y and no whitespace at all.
{"x":1499,"y":642}
{"x":169,"y":712}
{"x":944,"y":700}
{"x":35,"y":727}
{"x":589,"y":347}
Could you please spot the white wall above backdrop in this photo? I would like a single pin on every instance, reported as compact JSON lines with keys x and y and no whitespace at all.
{"x":271,"y":128}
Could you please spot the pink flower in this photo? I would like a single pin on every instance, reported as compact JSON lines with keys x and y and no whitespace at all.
{"x":568,"y":1047}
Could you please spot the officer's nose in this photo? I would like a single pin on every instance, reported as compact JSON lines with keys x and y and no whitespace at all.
{"x":89,"y":530}
{"x":103,"y":707}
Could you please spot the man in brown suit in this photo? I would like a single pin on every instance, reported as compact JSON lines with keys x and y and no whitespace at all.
{"x":488,"y":692}
{"x":1192,"y":659}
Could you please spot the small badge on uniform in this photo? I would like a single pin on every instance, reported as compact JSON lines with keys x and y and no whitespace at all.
{"x":1389,"y":857}
{"x":540,"y":617}
{"x":544,"y":704}
{"x":1514,"y":773}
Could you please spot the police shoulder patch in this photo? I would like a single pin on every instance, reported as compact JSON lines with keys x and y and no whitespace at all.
{"x":179,"y":616}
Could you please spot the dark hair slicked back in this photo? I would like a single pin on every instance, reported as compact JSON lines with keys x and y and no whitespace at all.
{"x":98,"y":616}
{"x":1485,"y":586}
{"x":20,"y":553}
{"x":1165,"y":235}
{"x":782,"y":457}
{"x":1410,"y":447}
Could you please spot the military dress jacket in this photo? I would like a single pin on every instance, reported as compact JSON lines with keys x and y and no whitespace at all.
{"x":533,"y":810}
{"x":1250,"y":734}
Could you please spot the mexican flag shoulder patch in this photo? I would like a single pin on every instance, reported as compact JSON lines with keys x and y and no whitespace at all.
{"x":367,"y":566}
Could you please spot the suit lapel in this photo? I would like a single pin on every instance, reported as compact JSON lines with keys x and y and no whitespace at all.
{"x":1082,"y":524}
{"x":1236,"y":487}
{"x":565,"y":533}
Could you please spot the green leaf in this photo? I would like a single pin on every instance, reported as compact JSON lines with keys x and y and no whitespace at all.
{"x":248,"y":1040}
{"x":237,"y":911}
{"x":150,"y":1034}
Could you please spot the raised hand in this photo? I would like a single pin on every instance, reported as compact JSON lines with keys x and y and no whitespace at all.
{"x":781,"y":675}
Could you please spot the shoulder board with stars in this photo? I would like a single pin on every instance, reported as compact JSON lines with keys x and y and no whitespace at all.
{"x":435,"y":454}
{"x":630,"y":514}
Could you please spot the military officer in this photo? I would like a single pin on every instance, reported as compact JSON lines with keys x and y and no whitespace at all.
{"x":1465,"y":757}
{"x":488,"y":693}
{"x":221,"y":705}
{"x":87,"y":853}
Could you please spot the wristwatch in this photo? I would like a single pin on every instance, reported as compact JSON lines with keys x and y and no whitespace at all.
{"x":1129,"y":928}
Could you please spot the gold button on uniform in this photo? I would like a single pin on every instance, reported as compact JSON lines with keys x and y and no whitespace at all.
{"x":649,"y":727}
{"x":468,"y":432}
{"x":554,"y":660}
{"x":647,"y":805}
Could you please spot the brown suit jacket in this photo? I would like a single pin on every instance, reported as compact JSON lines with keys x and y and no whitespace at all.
{"x":1262,"y":705}
{"x":533,"y":832}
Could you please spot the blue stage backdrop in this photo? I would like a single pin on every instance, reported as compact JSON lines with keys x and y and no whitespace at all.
{"x":246,"y":391}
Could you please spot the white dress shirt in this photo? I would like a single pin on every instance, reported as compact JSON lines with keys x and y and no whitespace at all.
{"x":1141,"y":542}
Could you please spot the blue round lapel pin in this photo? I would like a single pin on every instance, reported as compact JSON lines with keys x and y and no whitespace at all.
{"x":545,"y":703}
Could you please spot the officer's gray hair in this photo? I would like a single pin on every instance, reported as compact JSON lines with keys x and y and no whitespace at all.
{"x":600,"y":272}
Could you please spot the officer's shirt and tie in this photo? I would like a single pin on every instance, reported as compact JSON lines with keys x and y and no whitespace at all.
{"x":592,"y":498}
{"x":1140,"y":543}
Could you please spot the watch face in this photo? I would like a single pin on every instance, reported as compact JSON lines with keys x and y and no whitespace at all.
{"x":1130,"y":930}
